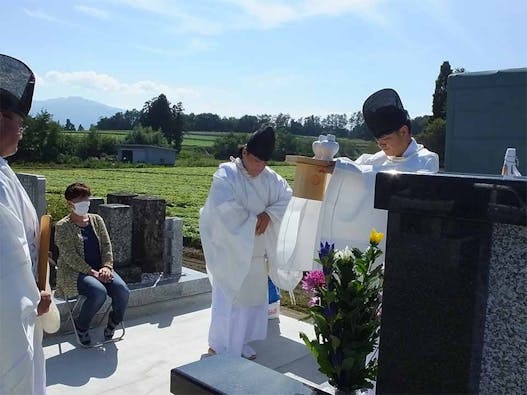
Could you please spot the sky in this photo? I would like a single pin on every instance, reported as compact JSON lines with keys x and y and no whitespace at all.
{"x":236,"y":57}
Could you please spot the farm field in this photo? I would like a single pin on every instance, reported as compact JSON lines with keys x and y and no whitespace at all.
{"x":185,"y":189}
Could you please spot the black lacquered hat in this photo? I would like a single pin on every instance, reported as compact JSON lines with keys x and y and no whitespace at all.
{"x":261,"y":143}
{"x":17,"y":83}
{"x":384,"y":112}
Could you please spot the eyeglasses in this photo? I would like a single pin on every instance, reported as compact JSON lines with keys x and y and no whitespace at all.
{"x":18,"y":120}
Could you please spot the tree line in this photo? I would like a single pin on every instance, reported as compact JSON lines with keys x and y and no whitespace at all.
{"x":161,"y":123}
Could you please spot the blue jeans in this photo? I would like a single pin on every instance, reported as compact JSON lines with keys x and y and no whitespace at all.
{"x":96,"y":292}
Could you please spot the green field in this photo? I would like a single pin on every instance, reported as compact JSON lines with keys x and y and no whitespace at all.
{"x":185,"y":189}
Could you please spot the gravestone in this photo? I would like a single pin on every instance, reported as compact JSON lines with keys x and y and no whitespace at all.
{"x":95,"y":202}
{"x":118,"y":220}
{"x":173,"y":245}
{"x":35,"y":186}
{"x":486,"y":114}
{"x":121,"y":197}
{"x":454,"y":317}
{"x":148,"y":233}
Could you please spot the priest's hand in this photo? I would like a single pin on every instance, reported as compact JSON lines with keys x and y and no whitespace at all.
{"x":45,"y":301}
{"x":327,"y":169}
{"x":262,"y":221}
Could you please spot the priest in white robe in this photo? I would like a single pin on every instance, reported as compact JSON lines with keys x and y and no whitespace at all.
{"x":22,"y":363}
{"x":346,"y":215}
{"x":239,"y":227}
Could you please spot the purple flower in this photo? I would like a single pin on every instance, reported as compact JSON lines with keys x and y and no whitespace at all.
{"x":325,"y":249}
{"x":330,"y":310}
{"x":313,"y":280}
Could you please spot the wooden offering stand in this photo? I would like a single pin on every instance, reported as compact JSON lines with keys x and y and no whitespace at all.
{"x":310,"y":176}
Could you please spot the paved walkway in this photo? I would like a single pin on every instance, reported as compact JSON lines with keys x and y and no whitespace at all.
{"x":153,"y":345}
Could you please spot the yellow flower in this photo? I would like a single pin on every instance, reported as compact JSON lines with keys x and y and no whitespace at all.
{"x":376,"y":237}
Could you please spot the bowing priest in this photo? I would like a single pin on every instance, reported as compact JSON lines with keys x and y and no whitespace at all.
{"x":22,"y":364}
{"x":239,"y":226}
{"x":346,"y":215}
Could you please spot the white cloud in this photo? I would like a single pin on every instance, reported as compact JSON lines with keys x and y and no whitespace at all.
{"x":270,"y":14}
{"x":193,"y":46}
{"x":93,"y":12}
{"x":39,"y":14}
{"x":108,"y":89}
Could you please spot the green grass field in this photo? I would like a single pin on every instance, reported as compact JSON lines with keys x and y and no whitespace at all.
{"x":185,"y":189}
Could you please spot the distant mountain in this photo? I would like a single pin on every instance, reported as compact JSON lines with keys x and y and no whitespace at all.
{"x":77,"y":109}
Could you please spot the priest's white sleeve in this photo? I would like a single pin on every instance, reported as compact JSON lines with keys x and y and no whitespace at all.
{"x":19,"y":298}
{"x":227,"y":235}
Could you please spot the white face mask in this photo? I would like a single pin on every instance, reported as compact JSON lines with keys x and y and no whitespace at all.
{"x":81,"y":208}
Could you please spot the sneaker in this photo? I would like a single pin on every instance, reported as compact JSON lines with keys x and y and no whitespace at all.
{"x":248,"y":352}
{"x":84,"y":336}
{"x":110,"y":328}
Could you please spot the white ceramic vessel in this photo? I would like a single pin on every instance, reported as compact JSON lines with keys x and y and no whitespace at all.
{"x":326,"y":147}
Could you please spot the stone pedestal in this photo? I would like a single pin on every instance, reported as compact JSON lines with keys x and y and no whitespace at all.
{"x":118,"y":220}
{"x":121,"y":197}
{"x":454,"y":318}
{"x":173,"y":245}
{"x":35,"y":186}
{"x":95,"y":202}
{"x":148,"y":233}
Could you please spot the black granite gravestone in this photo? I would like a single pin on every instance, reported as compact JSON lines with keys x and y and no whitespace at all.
{"x":454,"y":316}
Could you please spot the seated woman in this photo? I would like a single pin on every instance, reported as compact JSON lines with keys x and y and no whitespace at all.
{"x":85,"y":263}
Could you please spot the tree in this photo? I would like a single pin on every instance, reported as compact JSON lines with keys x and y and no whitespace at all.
{"x":145,"y":135}
{"x":440,"y":93}
{"x":69,"y":125}
{"x":247,"y":124}
{"x":81,"y":128}
{"x":358,"y":128}
{"x":160,"y":115}
{"x":225,"y":146}
{"x":433,"y":137}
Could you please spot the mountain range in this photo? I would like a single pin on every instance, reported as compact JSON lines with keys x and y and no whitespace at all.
{"x":77,"y":109}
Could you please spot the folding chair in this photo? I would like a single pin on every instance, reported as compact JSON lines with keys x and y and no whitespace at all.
{"x":74,"y":304}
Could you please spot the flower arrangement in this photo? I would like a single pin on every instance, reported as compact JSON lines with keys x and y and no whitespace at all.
{"x":345,"y":301}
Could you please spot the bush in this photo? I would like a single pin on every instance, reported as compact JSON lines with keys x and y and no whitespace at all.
{"x":146,"y":136}
{"x":228,"y":145}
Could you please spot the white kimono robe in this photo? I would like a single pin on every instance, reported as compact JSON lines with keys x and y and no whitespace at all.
{"x":237,"y":260}
{"x":346,"y":215}
{"x":22,"y":364}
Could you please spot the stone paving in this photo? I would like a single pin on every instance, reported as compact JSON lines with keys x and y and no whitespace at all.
{"x":153,"y":345}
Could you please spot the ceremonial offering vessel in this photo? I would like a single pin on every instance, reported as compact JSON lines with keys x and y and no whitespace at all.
{"x":325,"y":147}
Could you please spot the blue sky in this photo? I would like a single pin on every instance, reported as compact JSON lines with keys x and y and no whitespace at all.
{"x":235,"y":57}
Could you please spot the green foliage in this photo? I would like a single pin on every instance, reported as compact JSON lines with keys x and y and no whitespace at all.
{"x":433,"y":137}
{"x":147,"y":136}
{"x":419,"y":124}
{"x":120,"y":121}
{"x":69,"y":125}
{"x":440,"y":93}
{"x":185,"y":189}
{"x":160,"y":115}
{"x":42,"y":139}
{"x":345,"y":313}
{"x":228,"y":145}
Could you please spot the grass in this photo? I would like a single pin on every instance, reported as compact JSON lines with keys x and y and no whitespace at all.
{"x":185,"y":189}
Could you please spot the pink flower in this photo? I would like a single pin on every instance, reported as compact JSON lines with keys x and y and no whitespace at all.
{"x":314,"y":301}
{"x":313,"y":280}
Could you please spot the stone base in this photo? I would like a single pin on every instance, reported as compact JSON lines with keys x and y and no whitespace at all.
{"x":192,"y":288}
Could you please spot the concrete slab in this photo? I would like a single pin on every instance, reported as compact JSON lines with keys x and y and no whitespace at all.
{"x":153,"y":345}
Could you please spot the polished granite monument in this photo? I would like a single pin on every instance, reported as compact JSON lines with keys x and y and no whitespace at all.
{"x":454,"y":317}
